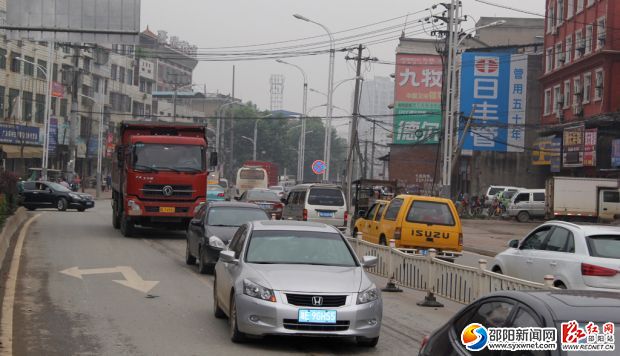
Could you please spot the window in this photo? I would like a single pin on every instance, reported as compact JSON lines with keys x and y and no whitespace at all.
{"x":577,"y":95}
{"x":589,"y":38}
{"x":587,"y":87}
{"x":524,"y":319}
{"x":27,"y":106}
{"x":63,"y":107}
{"x":39,"y":108}
{"x":66,"y":74}
{"x":605,"y":246}
{"x":2,"y":58}
{"x":570,"y":8}
{"x":611,"y":197}
{"x":121,"y":74}
{"x":579,"y":6}
{"x":29,"y":66}
{"x":560,"y":14}
{"x":380,"y":212}
{"x":41,"y":69}
{"x":129,"y":76}
{"x":547,"y":102}
{"x":580,"y":46}
{"x":601,"y":33}
{"x":430,"y":212}
{"x":557,"y":99}
{"x":559,"y":55}
{"x":549,"y":60}
{"x":85,"y":126}
{"x":522,"y":197}
{"x":566,"y":94}
{"x":393,"y":209}
{"x":569,"y":49}
{"x":13,"y":104}
{"x":2,"y":114}
{"x":113,"y":71}
{"x":86,"y":62}
{"x":96,"y":84}
{"x":55,"y":73}
{"x":539,"y":196}
{"x":493,"y":314}
{"x":536,"y":239}
{"x":598,"y":84}
{"x":16,"y":65}
{"x":590,"y":2}
{"x":559,"y":240}
{"x":550,"y":18}
{"x":326,"y":197}
{"x":236,"y":243}
{"x":371,"y":213}
{"x":53,"y":106}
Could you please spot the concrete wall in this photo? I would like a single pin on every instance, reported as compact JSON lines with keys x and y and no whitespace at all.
{"x":414,"y":166}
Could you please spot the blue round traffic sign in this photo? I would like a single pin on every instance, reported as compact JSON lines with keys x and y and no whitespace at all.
{"x":319,"y":167}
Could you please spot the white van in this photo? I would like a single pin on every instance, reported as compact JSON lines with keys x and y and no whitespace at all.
{"x":494,"y":189}
{"x":527,"y":203}
{"x":321,"y":203}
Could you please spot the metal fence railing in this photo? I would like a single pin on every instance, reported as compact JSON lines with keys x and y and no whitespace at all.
{"x":459,"y":283}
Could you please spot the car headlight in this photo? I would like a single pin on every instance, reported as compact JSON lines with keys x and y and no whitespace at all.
{"x":75,"y":196}
{"x":216,"y":242}
{"x":257,"y":291}
{"x":369,"y":295}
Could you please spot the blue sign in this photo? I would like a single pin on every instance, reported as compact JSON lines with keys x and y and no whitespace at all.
{"x":19,"y":134}
{"x":556,"y":158}
{"x":53,"y":136}
{"x":318,"y":167}
{"x":493,"y":93}
{"x":92,"y":146}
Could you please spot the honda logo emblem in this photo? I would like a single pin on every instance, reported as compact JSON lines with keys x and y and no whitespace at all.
{"x":167,"y":191}
{"x":317,"y":301}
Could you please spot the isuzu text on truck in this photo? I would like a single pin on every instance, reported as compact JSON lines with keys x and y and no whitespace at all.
{"x":159,"y":175}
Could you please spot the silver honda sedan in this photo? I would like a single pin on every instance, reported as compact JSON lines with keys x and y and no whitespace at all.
{"x":296,"y":278}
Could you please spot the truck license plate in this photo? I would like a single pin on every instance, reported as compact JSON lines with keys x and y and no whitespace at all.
{"x":166,"y":209}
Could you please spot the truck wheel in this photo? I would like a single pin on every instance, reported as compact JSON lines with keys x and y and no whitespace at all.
{"x":523,"y":216}
{"x":61,"y":204}
{"x":127,"y":227}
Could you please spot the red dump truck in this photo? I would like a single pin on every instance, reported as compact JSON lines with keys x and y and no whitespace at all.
{"x":159,"y":175}
{"x":271,"y":168}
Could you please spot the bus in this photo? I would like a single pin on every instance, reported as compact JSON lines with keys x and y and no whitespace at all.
{"x":249,"y":178}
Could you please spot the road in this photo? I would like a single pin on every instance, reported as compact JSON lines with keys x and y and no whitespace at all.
{"x":98,"y":306}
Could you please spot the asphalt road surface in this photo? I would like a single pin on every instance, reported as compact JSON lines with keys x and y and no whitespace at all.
{"x":83,"y":289}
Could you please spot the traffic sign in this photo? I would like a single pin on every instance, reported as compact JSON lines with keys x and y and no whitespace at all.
{"x":319,"y":167}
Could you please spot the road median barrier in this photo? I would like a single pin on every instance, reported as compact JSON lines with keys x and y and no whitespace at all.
{"x":11,"y":227}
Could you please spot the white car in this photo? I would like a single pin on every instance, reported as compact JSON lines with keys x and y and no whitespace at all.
{"x":578,"y":256}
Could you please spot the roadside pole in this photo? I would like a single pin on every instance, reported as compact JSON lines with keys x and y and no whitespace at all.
{"x":353,"y":136}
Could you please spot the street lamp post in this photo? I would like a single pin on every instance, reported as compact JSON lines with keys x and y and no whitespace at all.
{"x":302,"y":142}
{"x":330,"y":93}
{"x":48,"y":101}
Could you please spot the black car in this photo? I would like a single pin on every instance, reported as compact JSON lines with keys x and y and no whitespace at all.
{"x":36,"y":195}
{"x":523,"y":309}
{"x":212,"y":227}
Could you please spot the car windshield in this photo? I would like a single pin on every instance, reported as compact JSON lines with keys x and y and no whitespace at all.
{"x":234,"y":216}
{"x":156,"y":157}
{"x":606,"y":246}
{"x":58,"y":187}
{"x":326,"y":196}
{"x":299,"y":247}
{"x":493,"y":191}
{"x":263,"y":195}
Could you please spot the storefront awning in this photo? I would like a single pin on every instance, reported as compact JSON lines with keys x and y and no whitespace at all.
{"x":13,"y":151}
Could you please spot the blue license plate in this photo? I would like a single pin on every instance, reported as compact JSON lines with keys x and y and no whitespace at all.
{"x":326,"y":214}
{"x":317,"y":316}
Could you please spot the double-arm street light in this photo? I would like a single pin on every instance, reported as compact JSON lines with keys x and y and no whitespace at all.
{"x":330,"y":93}
{"x":46,"y":114}
{"x":302,"y":143}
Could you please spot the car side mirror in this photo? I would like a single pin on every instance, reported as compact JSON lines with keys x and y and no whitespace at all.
{"x":228,"y":256}
{"x":213,"y":159}
{"x":195,"y":222}
{"x":513,"y":244}
{"x":369,"y":261}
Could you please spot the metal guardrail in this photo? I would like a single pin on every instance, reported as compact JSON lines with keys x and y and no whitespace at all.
{"x":459,"y":283}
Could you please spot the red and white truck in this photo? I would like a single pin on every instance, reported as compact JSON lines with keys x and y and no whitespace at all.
{"x":159,"y":175}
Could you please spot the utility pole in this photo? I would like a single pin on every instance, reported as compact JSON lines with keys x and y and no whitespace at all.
{"x":364,"y":175}
{"x":74,"y":111}
{"x":232,"y":128}
{"x":372,"y":151}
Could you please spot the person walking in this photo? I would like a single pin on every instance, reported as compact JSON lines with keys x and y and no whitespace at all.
{"x":108,"y":182}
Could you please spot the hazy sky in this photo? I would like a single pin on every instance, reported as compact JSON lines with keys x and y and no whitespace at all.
{"x":207,"y":24}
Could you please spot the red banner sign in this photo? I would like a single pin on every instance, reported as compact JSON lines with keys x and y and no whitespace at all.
{"x":58,"y":90}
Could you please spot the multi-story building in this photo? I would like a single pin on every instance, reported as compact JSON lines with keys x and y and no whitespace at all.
{"x":580,"y":86}
{"x":377,"y":95}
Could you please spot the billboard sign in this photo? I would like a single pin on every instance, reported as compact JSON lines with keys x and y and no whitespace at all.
{"x":589,"y":148}
{"x":572,"y":146}
{"x":542,"y":151}
{"x":58,"y":90}
{"x":417,"y":103}
{"x":493,"y":92}
{"x":52,"y":142}
{"x":19,"y":134}
{"x":556,"y":156}
{"x":81,"y":21}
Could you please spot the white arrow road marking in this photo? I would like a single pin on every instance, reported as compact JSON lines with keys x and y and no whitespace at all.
{"x":132,"y":278}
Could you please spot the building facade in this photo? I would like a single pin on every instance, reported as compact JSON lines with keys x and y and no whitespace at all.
{"x":580,"y":87}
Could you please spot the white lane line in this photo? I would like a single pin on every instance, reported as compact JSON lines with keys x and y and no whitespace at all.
{"x":6,"y":324}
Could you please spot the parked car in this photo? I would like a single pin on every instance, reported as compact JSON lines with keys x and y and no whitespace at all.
{"x":35,"y":195}
{"x":278,"y":189}
{"x":526,"y":204}
{"x":215,"y":193}
{"x":578,"y":256}
{"x":296,"y":278}
{"x":323,"y":203}
{"x":212,"y":228}
{"x":421,"y":222}
{"x":267,"y":199}
{"x":494,"y":189}
{"x":524,"y":309}
{"x":369,"y":222}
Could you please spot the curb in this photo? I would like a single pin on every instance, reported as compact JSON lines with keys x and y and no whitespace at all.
{"x":480,"y":251}
{"x":11,"y":226}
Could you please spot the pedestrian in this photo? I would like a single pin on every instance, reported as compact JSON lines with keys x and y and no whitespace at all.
{"x":64,"y":183}
{"x":108,"y":182}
